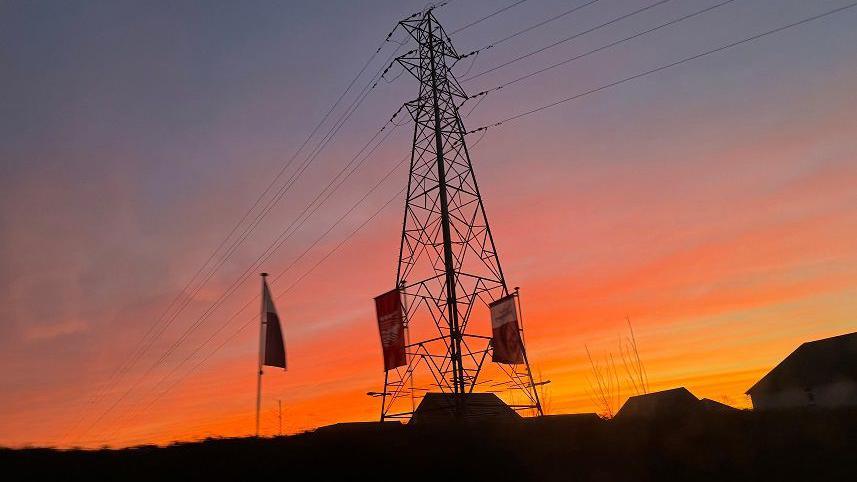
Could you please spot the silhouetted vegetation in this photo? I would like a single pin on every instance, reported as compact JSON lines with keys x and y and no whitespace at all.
{"x":605,"y":386}
{"x":740,"y":445}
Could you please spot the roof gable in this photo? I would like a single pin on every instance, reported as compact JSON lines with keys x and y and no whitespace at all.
{"x":666,"y":402}
{"x":812,"y":364}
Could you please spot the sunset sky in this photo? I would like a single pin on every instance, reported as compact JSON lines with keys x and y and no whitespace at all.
{"x":713,"y":203}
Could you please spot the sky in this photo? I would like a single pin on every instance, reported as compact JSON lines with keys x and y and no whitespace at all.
{"x":712,"y":204}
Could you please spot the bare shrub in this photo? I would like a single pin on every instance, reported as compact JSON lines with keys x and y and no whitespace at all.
{"x":605,"y":386}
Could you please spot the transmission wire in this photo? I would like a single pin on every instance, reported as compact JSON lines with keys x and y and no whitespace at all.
{"x":667,"y":66}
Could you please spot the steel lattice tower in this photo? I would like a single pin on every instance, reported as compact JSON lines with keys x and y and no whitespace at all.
{"x":448,"y":268}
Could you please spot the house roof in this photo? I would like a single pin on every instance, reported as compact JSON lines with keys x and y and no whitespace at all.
{"x":655,"y":404}
{"x":715,"y":406}
{"x":814,"y":363}
{"x":441,"y":407}
{"x":359,"y":427}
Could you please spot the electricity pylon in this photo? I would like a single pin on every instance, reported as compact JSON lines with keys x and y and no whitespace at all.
{"x":448,"y":268}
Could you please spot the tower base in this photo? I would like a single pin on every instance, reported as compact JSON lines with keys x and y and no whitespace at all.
{"x":449,"y":407}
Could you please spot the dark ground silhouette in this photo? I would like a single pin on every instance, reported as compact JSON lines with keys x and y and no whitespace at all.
{"x":743,"y":445}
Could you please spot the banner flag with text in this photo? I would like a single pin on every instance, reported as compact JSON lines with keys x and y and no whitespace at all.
{"x":391,"y":326}
{"x":507,"y":343}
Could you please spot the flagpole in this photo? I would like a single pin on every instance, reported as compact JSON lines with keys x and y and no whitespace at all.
{"x":261,"y":353}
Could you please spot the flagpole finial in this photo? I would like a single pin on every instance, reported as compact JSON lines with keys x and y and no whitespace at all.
{"x":263,"y":274}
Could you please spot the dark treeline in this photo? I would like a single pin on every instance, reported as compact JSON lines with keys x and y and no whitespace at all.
{"x":744,"y":445}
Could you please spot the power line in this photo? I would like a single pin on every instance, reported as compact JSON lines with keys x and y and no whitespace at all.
{"x":596,"y":50}
{"x":298,"y":258}
{"x":531,"y":27}
{"x":514,"y":4}
{"x":567,"y":39}
{"x":143,"y":345}
{"x":244,"y":236}
{"x":280,"y":295}
{"x":667,"y":66}
{"x":278,"y":276}
{"x":236,"y":284}
{"x":544,"y":22}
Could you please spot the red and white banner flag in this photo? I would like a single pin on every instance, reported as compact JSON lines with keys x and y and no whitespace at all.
{"x":391,"y":326}
{"x":508,"y":347}
{"x":275,"y":348}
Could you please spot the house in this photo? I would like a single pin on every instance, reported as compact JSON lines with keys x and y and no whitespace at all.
{"x":821,"y":373}
{"x":672,"y":402}
{"x":447,"y":407}
{"x":675,"y":402}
